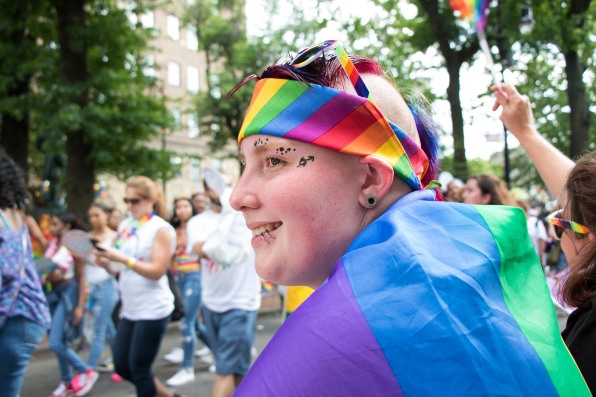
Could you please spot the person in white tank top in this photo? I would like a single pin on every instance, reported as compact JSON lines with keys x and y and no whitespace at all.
{"x":142,"y":253}
{"x":103,"y":290}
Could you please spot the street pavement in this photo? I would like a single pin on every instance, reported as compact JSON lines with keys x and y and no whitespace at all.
{"x":43,"y":375}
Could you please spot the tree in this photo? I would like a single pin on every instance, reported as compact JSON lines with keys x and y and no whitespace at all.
{"x":102,"y":111}
{"x":231,"y":56}
{"x":562,"y":56}
{"x":21,"y":23}
{"x":402,"y":36}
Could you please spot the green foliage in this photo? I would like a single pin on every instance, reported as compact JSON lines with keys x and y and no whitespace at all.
{"x":231,"y":57}
{"x":125,"y":108}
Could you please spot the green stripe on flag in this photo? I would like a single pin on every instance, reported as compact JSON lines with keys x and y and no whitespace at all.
{"x":527,"y":296}
{"x":284,"y":97}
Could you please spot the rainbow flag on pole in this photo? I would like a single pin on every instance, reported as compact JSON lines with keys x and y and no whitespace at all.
{"x":431,"y":299}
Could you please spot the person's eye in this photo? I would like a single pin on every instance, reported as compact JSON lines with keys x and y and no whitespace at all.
{"x":272,"y":161}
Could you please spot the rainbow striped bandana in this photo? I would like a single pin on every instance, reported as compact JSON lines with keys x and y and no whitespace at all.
{"x":335,"y":120}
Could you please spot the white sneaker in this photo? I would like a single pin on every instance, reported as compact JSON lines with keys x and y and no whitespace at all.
{"x":254,"y":353}
{"x":184,"y":375}
{"x":175,"y":356}
{"x":63,"y":390}
{"x":208,"y":359}
{"x":203,"y":351}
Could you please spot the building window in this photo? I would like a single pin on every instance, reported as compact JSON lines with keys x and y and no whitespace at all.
{"x":129,"y":8}
{"x":193,"y":125}
{"x":148,"y":19}
{"x":176,"y":116}
{"x":174,"y":74}
{"x":215,"y":91}
{"x":177,"y":162}
{"x":192,"y":43}
{"x":195,"y":170}
{"x":149,"y":66}
{"x":217,"y":164}
{"x":192,"y":79}
{"x":173,"y":27}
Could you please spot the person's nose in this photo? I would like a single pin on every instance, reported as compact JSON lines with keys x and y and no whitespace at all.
{"x":244,"y":195}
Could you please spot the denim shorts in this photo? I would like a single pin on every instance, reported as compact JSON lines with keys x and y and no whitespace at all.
{"x":231,"y":335}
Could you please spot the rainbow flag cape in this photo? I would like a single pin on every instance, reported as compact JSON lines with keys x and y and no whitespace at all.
{"x":431,"y":299}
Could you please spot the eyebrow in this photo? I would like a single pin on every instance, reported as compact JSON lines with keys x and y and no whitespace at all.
{"x":263,"y":148}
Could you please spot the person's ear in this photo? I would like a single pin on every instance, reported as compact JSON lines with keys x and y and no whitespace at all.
{"x":377,"y":182}
{"x":485,"y":198}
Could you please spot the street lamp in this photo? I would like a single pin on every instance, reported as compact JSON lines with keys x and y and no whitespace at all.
{"x":526,"y":23}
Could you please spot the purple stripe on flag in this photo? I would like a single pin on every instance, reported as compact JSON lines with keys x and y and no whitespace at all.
{"x":317,"y":352}
{"x":321,"y":121}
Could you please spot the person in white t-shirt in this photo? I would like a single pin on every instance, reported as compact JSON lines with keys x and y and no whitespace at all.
{"x":142,"y":253}
{"x":537,"y":233}
{"x":231,"y":287}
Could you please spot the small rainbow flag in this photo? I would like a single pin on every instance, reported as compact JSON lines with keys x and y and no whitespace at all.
{"x":431,"y":299}
{"x":475,"y":11}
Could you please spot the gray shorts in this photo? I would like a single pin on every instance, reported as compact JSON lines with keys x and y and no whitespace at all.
{"x":231,"y":335}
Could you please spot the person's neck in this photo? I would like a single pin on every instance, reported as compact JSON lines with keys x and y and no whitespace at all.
{"x":144,"y":216}
{"x":101,"y":231}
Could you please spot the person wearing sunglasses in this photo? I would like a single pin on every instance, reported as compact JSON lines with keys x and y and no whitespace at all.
{"x":574,"y":183}
{"x":141,"y":252}
{"x":413,"y":295}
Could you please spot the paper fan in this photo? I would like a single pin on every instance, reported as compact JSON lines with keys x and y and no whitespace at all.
{"x":77,"y":242}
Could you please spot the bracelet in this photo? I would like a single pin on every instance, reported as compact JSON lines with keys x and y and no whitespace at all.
{"x":131,"y":262}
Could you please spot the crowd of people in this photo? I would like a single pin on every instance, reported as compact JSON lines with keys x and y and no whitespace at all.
{"x":413,"y":287}
{"x":123,"y":285}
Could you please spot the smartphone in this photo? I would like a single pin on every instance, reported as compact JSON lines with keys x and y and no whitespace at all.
{"x":95,"y":243}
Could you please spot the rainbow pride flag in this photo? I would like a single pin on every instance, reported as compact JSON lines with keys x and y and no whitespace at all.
{"x":431,"y":299}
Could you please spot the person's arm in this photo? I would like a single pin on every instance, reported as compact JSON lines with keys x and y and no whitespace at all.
{"x":229,"y":245}
{"x":35,"y":231}
{"x":79,"y":265}
{"x":552,"y":165}
{"x":160,"y":256}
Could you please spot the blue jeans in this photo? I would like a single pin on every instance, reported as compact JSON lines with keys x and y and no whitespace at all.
{"x":104,"y":296}
{"x":190,"y":289}
{"x":68,"y":296}
{"x":19,"y":338}
{"x":135,"y":349}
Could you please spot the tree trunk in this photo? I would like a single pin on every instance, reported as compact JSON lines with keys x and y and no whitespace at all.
{"x":80,"y":170}
{"x":14,"y":136}
{"x":579,"y":105}
{"x":14,"y":130}
{"x":460,"y":164}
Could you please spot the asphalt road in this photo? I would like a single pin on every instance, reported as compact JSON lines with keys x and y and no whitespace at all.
{"x":43,"y":375}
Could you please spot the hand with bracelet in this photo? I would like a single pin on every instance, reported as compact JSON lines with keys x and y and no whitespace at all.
{"x":153,"y":269}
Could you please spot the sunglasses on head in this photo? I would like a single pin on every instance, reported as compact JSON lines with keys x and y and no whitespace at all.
{"x":561,"y":224}
{"x":307,"y":55}
{"x":132,"y":201}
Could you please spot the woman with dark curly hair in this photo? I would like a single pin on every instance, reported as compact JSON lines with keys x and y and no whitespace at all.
{"x":487,"y":189}
{"x":574,"y":224}
{"x":24,"y":314}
